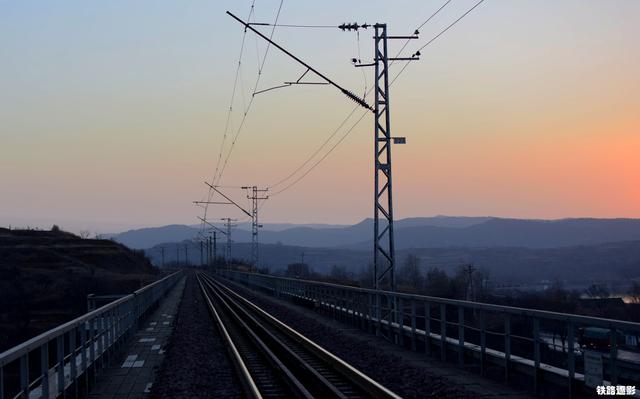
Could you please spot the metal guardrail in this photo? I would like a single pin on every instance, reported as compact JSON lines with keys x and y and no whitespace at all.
{"x":78,"y":348}
{"x":539,"y":344}
{"x":95,"y":301}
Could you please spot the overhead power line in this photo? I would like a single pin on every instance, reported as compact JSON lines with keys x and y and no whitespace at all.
{"x":433,"y":39}
{"x":228,"y":123}
{"x":233,"y":94}
{"x":344,"y":136}
{"x":248,"y":108}
{"x":335,"y":131}
{"x":344,"y":121}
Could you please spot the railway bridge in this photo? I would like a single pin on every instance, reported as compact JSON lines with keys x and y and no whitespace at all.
{"x":245,"y":335}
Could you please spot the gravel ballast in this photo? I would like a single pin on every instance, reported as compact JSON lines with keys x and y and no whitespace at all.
{"x":196,"y":364}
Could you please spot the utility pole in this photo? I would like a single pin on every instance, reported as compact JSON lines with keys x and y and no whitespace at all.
{"x":209,"y":250}
{"x":216,"y":229}
{"x":254,"y":197}
{"x":382,"y":167}
{"x":384,"y":253}
{"x":228,"y":220}
{"x":469,"y":294}
{"x":215,"y":247}
{"x":201,"y":254}
{"x":227,"y":254}
{"x":384,"y":258}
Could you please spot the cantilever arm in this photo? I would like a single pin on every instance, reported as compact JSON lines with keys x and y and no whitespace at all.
{"x":227,"y":198}
{"x":346,"y":92}
{"x":213,"y":226}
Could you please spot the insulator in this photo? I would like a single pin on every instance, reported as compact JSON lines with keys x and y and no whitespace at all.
{"x":355,"y":98}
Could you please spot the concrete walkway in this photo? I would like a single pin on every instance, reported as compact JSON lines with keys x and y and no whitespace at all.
{"x":133,"y":371}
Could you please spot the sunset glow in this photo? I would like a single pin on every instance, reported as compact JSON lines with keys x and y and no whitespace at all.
{"x":526,"y":109}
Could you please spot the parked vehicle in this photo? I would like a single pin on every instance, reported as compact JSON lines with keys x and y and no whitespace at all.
{"x":598,"y":338}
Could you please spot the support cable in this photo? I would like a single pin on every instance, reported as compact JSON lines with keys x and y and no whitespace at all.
{"x":344,"y":136}
{"x":433,"y":39}
{"x":233,"y":92}
{"x":229,"y":121}
{"x":345,"y":120}
{"x":255,"y":88}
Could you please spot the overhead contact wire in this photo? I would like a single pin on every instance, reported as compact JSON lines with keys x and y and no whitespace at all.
{"x":246,"y":112}
{"x":367,"y":92}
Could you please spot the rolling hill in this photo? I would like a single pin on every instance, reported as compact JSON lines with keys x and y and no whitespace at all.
{"x":427,"y":232}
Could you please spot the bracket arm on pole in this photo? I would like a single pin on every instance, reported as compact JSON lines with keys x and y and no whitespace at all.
{"x":346,"y":92}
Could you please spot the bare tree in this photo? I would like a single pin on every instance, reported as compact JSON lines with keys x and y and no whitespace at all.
{"x":338,"y":273}
{"x":597,"y":291}
{"x":481,"y":283}
{"x":409,"y":273}
{"x":84,"y":234}
{"x":366,"y":275}
{"x":437,"y":282}
{"x":298,"y":270}
{"x":634,"y":292}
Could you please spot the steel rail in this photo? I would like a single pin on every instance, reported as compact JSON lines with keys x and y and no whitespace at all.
{"x":282,"y":378}
{"x":306,"y":377}
{"x":346,"y":372}
{"x":247,"y":381}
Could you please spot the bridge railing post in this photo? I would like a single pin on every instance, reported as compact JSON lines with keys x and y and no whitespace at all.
{"x":460,"y":335}
{"x":571,"y":359}
{"x":83,"y":357}
{"x":427,"y":328}
{"x":60,"y":363}
{"x":507,"y":346}
{"x":390,"y":316}
{"x":378,"y":312}
{"x":44,"y":368}
{"x":536,"y":353}
{"x":483,"y":341}
{"x":353,"y":304}
{"x":413,"y":325}
{"x":362,"y":303}
{"x":24,"y":375}
{"x":73,"y":371}
{"x":613,"y":355}
{"x":400,"y":320}
{"x":443,"y":331}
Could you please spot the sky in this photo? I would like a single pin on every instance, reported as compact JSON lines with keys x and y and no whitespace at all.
{"x":112,"y":114}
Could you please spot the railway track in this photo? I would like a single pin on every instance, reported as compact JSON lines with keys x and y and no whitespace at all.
{"x":275,"y":361}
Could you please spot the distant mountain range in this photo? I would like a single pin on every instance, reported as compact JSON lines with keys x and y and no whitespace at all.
{"x":421,"y":232}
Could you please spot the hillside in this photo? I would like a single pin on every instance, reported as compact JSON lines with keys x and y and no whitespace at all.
{"x":45,"y":277}
{"x":422,"y":232}
{"x":497,"y":232}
